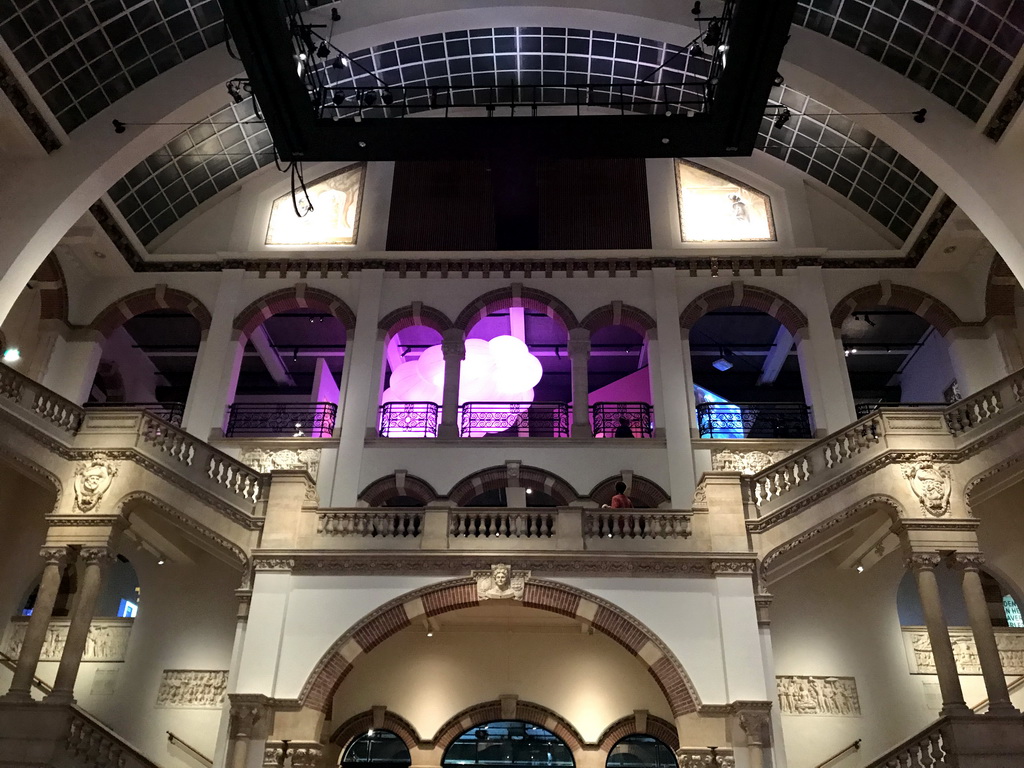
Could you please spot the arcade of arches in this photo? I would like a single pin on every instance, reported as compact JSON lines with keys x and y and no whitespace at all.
{"x":346,"y":488}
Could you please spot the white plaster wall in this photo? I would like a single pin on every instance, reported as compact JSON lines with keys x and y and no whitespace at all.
{"x":588,"y":679}
{"x":928,"y":373}
{"x":838,"y":226}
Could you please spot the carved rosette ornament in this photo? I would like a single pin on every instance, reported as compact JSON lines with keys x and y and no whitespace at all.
{"x":932,"y":484}
{"x":500,"y":583}
{"x":92,"y":479}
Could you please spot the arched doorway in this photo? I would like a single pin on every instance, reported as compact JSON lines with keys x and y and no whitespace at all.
{"x":639,"y":750}
{"x":508,"y":744}
{"x":377,"y":748}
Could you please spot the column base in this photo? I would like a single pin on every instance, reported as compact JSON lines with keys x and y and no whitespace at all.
{"x":1002,"y":709}
{"x":581,"y":430}
{"x":59,"y":698}
{"x":956,"y":708}
{"x":448,"y":431}
{"x":17,"y":697}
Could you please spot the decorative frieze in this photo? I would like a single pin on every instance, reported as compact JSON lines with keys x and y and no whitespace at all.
{"x":107,"y":639}
{"x":818,"y":695}
{"x":702,"y":758}
{"x":263,"y":460}
{"x":931,"y":484}
{"x":500,"y":583}
{"x":1010,"y":643}
{"x":745,"y":462}
{"x":192,"y":688}
{"x":299,"y":754}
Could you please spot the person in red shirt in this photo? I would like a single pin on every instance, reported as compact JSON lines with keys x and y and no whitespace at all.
{"x":620,"y":500}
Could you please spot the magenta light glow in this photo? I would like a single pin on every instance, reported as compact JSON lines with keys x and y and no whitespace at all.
{"x":501,"y":370}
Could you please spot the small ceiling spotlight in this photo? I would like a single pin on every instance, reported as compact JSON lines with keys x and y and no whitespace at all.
{"x":722,"y":363}
{"x":696,"y":8}
{"x":919,"y":115}
{"x":778,"y":79}
{"x":860,"y":568}
{"x":783,"y":117}
{"x":160,"y":561}
{"x":696,"y":51}
{"x":340,"y":63}
{"x":713,"y":35}
{"x":370,"y":98}
{"x":387,"y":98}
{"x":335,"y":16}
{"x":235,"y":92}
{"x":12,"y":355}
{"x":119,"y":127}
{"x":430,"y":634}
{"x":529,"y":490}
{"x":322,"y":50}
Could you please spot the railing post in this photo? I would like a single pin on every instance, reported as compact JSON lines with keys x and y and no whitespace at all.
{"x":579,"y":357}
{"x":453,"y":347}
{"x":569,"y":529}
{"x":435,"y":528}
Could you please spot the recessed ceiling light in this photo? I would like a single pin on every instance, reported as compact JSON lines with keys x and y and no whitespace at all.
{"x":12,"y":355}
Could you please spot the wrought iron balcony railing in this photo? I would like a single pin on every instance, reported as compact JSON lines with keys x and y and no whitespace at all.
{"x":514,"y":420}
{"x":622,"y":419}
{"x":172,"y":413}
{"x":763,"y":421}
{"x":863,"y":409}
{"x":281,"y":419}
{"x":408,"y":419}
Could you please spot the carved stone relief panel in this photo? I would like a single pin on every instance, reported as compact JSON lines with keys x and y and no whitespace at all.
{"x":92,"y":479}
{"x":818,"y":695}
{"x":919,"y":650}
{"x":500,"y":583}
{"x":300,"y":754}
{"x":931,"y":484}
{"x":747,"y":462}
{"x":263,"y":460}
{"x":192,"y":688}
{"x":701,"y":758}
{"x":107,"y":640}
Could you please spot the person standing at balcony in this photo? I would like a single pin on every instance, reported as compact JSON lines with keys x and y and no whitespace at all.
{"x":620,"y":500}
{"x":623,"y":430}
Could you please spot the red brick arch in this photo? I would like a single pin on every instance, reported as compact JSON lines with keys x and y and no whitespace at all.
{"x":377,"y":493}
{"x":618,"y":313}
{"x":1000,"y":292}
{"x":739,"y":295}
{"x":516,"y":296}
{"x":414,"y":314}
{"x":298,"y":297}
{"x":148,"y":300}
{"x":488,"y":712}
{"x":660,"y":729}
{"x":53,"y":290}
{"x":936,"y":313}
{"x":492,"y":478}
{"x":643,"y":493}
{"x":394,"y":616}
{"x":359,"y":724}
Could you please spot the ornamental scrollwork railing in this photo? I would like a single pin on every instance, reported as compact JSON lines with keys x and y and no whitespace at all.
{"x":418,"y":419}
{"x":763,"y":421}
{"x":280,"y":419}
{"x":538,"y":419}
{"x":622,"y":419}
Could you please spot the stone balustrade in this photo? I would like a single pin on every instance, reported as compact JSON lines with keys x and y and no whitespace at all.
{"x":27,"y":398}
{"x":960,"y":741}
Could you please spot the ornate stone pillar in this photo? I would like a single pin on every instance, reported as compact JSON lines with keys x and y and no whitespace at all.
{"x":923,"y":565}
{"x":453,"y":346}
{"x":95,"y":559}
{"x":579,"y":358}
{"x":984,"y":638}
{"x":248,"y":723}
{"x":35,"y":633}
{"x":754,"y":719}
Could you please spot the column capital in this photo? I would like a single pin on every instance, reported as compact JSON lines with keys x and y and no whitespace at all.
{"x":922,"y":561}
{"x":967,"y":561}
{"x":54,"y":555}
{"x":96,"y":555}
{"x":248,"y":712}
{"x":453,"y":349}
{"x":579,"y":348}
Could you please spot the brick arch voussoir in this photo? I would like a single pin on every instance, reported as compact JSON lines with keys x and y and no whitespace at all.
{"x":1000,"y":292}
{"x":505,"y":298}
{"x":359,"y":724}
{"x":526,"y":711}
{"x":643,"y":492}
{"x":377,"y":493}
{"x":748,"y":296}
{"x":406,"y":317}
{"x":492,"y":478}
{"x":924,"y":305}
{"x":297,"y":297}
{"x":331,"y":670}
{"x":626,"y":315}
{"x":660,"y":729}
{"x":148,"y":300}
{"x":53,"y":290}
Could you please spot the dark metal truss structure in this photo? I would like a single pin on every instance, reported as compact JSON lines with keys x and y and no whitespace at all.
{"x":295,"y":73}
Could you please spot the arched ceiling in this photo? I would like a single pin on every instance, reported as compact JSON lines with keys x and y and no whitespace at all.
{"x":233,"y":142}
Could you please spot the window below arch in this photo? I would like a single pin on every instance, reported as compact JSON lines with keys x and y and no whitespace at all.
{"x":717,"y":209}
{"x":640,"y":751}
{"x":378,"y":748}
{"x":508,"y":743}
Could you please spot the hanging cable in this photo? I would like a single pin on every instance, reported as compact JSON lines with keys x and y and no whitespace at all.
{"x":297,"y":176}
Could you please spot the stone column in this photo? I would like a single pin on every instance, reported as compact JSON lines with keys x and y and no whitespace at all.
{"x":579,"y":358}
{"x":923,"y":565}
{"x":453,"y":346}
{"x":984,"y":638}
{"x":755,"y":722}
{"x":95,"y":559}
{"x":248,"y":724}
{"x":35,"y":633}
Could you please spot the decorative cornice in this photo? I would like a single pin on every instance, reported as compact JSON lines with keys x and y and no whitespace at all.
{"x":335,"y":562}
{"x":33,"y":118}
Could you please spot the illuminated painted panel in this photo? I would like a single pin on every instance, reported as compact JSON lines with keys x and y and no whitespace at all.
{"x":717,"y":209}
{"x":330,"y":216}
